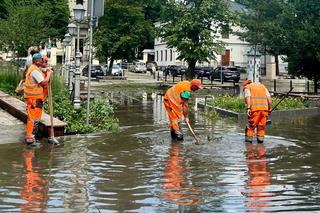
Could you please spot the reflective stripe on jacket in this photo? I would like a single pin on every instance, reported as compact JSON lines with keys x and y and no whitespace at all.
{"x":32,"y":90}
{"x":173,"y":95}
{"x":258,"y":98}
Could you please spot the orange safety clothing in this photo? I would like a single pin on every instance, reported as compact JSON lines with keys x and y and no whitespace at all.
{"x":34,"y":110}
{"x":257,"y":119}
{"x":35,"y":94}
{"x":32,"y":90}
{"x":258,"y":97}
{"x":176,"y":106}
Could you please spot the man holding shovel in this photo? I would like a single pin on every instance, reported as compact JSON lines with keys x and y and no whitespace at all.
{"x":176,"y":104}
{"x":34,"y":94}
{"x":258,"y":101}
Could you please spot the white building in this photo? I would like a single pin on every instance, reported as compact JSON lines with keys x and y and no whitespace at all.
{"x":235,"y":53}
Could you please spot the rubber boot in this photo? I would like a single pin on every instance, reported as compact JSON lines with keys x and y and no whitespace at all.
{"x":248,"y":139}
{"x":176,"y":135}
{"x":260,"y":139}
{"x":31,"y":142}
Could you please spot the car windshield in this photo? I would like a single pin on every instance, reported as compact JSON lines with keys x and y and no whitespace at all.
{"x":232,"y":68}
{"x":115,"y":67}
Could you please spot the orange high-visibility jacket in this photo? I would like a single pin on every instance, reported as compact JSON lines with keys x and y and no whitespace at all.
{"x":173,"y":95}
{"x":258,"y":98}
{"x":32,"y":90}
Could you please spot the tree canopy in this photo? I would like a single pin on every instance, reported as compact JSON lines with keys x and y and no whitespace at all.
{"x":286,"y":27}
{"x":31,"y":23}
{"x":122,"y":30}
{"x":193,"y":28}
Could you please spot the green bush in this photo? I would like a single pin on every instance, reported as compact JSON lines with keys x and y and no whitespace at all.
{"x":101,"y":116}
{"x":237,"y":104}
{"x":101,"y":112}
{"x":9,"y":81}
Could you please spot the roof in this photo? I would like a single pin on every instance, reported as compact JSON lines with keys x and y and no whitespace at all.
{"x":236,"y":7}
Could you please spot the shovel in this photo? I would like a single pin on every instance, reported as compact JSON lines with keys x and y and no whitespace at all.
{"x":269,"y":122}
{"x":51,"y":139}
{"x":193,"y":134}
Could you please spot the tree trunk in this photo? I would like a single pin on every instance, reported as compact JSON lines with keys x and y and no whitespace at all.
{"x":190,"y":70}
{"x":276,"y":59}
{"x":110,"y":66}
{"x":316,"y":79}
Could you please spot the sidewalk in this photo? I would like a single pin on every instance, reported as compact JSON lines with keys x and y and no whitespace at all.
{"x":11,"y":129}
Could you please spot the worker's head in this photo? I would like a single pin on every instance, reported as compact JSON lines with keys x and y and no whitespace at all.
{"x":37,"y":59}
{"x":246,"y":82}
{"x":195,"y":84}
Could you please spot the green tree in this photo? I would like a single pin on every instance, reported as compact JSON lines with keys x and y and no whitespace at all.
{"x":21,"y":29}
{"x":302,"y":35}
{"x":193,"y":28}
{"x":32,"y":22}
{"x":263,"y":28}
{"x":122,"y":30}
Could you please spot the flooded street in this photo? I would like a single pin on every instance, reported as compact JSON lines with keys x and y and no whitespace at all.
{"x":139,"y":169}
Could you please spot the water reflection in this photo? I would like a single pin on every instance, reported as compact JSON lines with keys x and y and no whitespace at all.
{"x":259,"y":178}
{"x":35,"y":188}
{"x":159,"y":111}
{"x":175,"y":179}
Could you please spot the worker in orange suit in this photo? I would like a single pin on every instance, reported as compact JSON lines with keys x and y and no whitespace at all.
{"x":258,"y":102}
{"x":34,"y":190}
{"x":259,"y":178}
{"x":176,"y":104}
{"x":34,"y":95}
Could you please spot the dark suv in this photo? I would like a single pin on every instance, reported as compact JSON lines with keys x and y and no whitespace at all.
{"x":228,"y":74}
{"x":202,"y":72}
{"x":96,"y":70}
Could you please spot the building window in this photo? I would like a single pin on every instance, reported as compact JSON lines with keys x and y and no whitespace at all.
{"x":79,"y":1}
{"x":170,"y":55}
{"x":157,"y":56}
{"x":166,"y":55}
{"x":161,"y":55}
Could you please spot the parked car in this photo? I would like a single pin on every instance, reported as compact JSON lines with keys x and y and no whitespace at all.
{"x":116,"y":70}
{"x":138,"y":67}
{"x":178,"y":70}
{"x":96,"y":70}
{"x":228,"y":74}
{"x":203,"y":72}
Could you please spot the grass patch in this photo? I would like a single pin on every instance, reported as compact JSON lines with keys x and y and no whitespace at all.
{"x":237,"y":104}
{"x":101,"y":112}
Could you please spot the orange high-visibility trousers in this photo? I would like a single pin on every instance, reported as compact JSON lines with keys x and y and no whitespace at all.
{"x":257,"y":119}
{"x":34,"y":110}
{"x":173,"y":115}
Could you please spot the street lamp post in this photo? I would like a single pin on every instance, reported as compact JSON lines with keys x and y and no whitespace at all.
{"x":90,"y":60}
{"x":66,"y":61}
{"x":70,"y":73}
{"x":78,"y":12}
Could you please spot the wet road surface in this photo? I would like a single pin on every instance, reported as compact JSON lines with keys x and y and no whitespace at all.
{"x":140,"y":170}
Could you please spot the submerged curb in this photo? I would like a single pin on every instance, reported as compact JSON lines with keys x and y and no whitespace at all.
{"x":278,"y":115}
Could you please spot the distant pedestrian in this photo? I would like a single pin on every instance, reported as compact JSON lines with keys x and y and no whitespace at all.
{"x":258,"y":102}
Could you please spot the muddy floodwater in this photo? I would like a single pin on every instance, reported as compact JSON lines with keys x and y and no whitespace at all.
{"x":139,"y":169}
